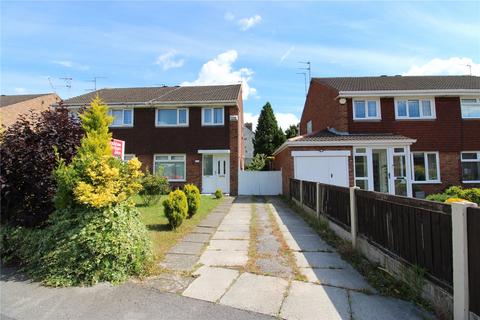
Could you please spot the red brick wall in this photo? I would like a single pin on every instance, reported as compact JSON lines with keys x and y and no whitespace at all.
{"x":235,"y":152}
{"x":323,"y":109}
{"x":284,"y":161}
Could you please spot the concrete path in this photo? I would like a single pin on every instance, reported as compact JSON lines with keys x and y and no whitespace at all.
{"x":265,"y":258}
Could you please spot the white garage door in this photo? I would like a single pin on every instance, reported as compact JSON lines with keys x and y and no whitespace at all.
{"x":330,"y":167}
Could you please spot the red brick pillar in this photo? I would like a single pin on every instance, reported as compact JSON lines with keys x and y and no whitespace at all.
{"x":234,"y":134}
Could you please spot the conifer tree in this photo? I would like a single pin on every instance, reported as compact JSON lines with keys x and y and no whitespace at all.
{"x":268,"y":135}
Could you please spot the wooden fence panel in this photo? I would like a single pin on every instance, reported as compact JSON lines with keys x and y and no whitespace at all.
{"x":295,"y":189}
{"x":335,"y":204}
{"x":417,"y":231}
{"x":309,"y":194}
{"x":473,"y":229}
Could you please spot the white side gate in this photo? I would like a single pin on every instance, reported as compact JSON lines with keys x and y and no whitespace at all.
{"x":264,"y":183}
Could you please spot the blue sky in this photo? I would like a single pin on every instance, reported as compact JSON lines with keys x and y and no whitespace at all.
{"x":260,"y":43}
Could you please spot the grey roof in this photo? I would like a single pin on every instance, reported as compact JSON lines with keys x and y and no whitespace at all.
{"x":388,"y":83}
{"x":6,"y":100}
{"x":333,"y":135}
{"x":220,"y":93}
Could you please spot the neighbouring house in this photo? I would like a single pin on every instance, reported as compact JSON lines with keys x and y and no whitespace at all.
{"x":194,"y":133}
{"x":12,"y":106}
{"x":248,"y":136}
{"x":403,"y":135}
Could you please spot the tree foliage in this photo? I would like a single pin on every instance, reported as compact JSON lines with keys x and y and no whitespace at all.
{"x":193,"y":198}
{"x":258,"y":162}
{"x":292,"y":131}
{"x":28,"y":159}
{"x":176,"y":208}
{"x":268,"y":135}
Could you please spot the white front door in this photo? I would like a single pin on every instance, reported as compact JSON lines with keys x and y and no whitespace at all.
{"x":215,"y":173}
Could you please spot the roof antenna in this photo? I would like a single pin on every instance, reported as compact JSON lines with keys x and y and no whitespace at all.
{"x":68,"y":84}
{"x":305,"y":78}
{"x":470,"y":68}
{"x":308,"y":68}
{"x":51,"y":85}
{"x":94,"y":80}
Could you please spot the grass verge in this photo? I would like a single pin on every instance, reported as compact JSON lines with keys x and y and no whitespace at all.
{"x":384,"y":282}
{"x":163,"y":238}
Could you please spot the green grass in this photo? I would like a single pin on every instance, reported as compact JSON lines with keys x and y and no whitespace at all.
{"x":163,"y":237}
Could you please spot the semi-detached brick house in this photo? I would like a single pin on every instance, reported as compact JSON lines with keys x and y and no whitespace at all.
{"x":12,"y":106}
{"x":401,"y":135}
{"x":194,"y":132}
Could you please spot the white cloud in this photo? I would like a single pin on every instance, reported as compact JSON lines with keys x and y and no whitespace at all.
{"x":20,"y":90}
{"x":167,"y":60}
{"x":287,"y":53}
{"x":220,"y":71}
{"x":229,"y":16}
{"x":247,"y":23}
{"x":451,"y":66}
{"x":284,"y":120}
{"x":71,"y":64}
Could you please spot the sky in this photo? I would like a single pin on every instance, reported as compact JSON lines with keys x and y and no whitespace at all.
{"x":260,"y":44}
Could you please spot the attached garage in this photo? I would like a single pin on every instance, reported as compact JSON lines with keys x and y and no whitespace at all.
{"x":330,"y":167}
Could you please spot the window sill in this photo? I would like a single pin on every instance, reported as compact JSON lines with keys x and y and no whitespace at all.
{"x":427,"y":182}
{"x":368,"y":120}
{"x":471,"y":118}
{"x":172,"y":180}
{"x":121,"y":127}
{"x":172,"y":126}
{"x":415,"y":119}
{"x":213,"y":125}
{"x":474,"y":181}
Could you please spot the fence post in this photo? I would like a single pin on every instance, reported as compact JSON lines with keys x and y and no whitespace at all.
{"x":353,"y":216}
{"x":317,"y":194}
{"x":460,"y":260}
{"x":301,"y":193}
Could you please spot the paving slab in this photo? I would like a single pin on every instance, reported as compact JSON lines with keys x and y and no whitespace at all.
{"x":197,"y":237}
{"x":186,"y":247}
{"x":373,"y":307}
{"x":169,"y":282}
{"x":211,"y":283}
{"x":205,"y":230}
{"x":319,"y":260}
{"x":224,"y":258}
{"x":231,"y":235}
{"x":306,"y":243}
{"x":344,"y":278}
{"x":310,"y":301}
{"x":180,"y":262}
{"x":257,"y":293}
{"x":228,"y":245}
{"x":274,"y":267}
{"x":234,"y":227}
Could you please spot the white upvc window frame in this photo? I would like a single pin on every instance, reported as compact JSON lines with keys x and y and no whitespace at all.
{"x":170,"y":155}
{"x":365,"y":153}
{"x":178,"y":124}
{"x":420,"y":105}
{"x":469,"y":160}
{"x":123,"y":125}
{"x":474,"y":104}
{"x":309,"y":127}
{"x":425,"y":163}
{"x":367,"y":117}
{"x":208,"y":124}
{"x":130,"y":156}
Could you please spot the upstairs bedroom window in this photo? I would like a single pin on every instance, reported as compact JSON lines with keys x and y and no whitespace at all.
{"x":470,"y":108}
{"x":121,"y":117}
{"x":212,"y":117}
{"x":414,"y":108}
{"x":368,"y":109}
{"x":177,"y":117}
{"x":470,"y":166}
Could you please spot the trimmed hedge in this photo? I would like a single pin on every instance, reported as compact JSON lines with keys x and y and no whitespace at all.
{"x":176,"y":208}
{"x":472,"y":194}
{"x":193,"y":198}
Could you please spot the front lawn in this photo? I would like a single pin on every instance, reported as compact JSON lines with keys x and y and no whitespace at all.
{"x":162,"y":236}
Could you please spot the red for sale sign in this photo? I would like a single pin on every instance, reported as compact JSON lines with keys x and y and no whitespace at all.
{"x":118,"y":148}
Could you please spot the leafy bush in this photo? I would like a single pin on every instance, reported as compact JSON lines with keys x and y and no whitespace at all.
{"x":258,"y":162}
{"x":154,"y":186}
{"x":193,"y":198}
{"x":176,"y":208}
{"x":218,"y":194}
{"x":472,"y":195}
{"x":28,"y":159}
{"x":85,"y":246}
{"x":95,"y":233}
